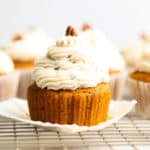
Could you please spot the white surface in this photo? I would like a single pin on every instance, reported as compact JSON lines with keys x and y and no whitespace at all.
{"x":17,"y":109}
{"x":121,"y":20}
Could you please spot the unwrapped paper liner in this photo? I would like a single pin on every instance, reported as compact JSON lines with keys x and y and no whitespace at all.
{"x":24,"y":81}
{"x":141,"y":92}
{"x":17,"y":109}
{"x":9,"y":85}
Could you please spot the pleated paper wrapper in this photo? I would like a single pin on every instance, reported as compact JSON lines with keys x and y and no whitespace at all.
{"x":141,"y":92}
{"x":9,"y":85}
{"x":116,"y":84}
{"x":24,"y":82}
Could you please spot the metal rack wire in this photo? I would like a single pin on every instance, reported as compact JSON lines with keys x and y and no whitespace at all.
{"x":128,"y":133}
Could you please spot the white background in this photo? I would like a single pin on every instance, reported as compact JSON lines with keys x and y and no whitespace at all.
{"x":121,"y":20}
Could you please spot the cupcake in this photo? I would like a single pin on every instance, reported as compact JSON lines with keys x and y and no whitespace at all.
{"x":140,"y":82}
{"x":8,"y":77}
{"x":132,"y":54}
{"x":108,"y":55}
{"x":140,"y":86}
{"x":24,"y":49}
{"x":69,"y":87}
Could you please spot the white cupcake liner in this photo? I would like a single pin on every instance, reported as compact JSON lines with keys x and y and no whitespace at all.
{"x":24,"y":82}
{"x":141,"y":92}
{"x":9,"y":85}
{"x":126,"y":89}
{"x":116,"y":84}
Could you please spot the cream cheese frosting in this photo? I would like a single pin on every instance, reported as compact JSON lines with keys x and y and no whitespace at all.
{"x":66,"y":66}
{"x":6,"y":64}
{"x":34,"y":43}
{"x":132,"y":54}
{"x":146,"y":50}
{"x":144,"y":65}
{"x":103,"y":48}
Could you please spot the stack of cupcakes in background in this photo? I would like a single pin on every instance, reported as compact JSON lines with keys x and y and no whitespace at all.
{"x":69,"y":86}
{"x":108,"y":55}
{"x":9,"y":78}
{"x":24,"y":49}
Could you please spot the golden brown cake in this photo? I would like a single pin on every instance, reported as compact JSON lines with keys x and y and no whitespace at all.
{"x":24,"y":65}
{"x":69,"y":87}
{"x":113,"y":72}
{"x":84,"y":106}
{"x":140,"y":76}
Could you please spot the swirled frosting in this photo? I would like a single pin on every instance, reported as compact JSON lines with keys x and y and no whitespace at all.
{"x":146,"y":51}
{"x":34,"y":43}
{"x":144,"y":65}
{"x":103,"y":48}
{"x":66,"y":66}
{"x":132,"y":54}
{"x":6,"y":64}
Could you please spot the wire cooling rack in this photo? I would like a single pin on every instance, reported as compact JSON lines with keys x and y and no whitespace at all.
{"x":129,"y":133}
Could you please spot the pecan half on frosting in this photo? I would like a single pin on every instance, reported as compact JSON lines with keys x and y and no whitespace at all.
{"x":17,"y":37}
{"x":86,"y":26}
{"x":71,"y":31}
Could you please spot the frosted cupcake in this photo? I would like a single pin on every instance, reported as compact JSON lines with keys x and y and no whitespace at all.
{"x":8,"y":77}
{"x":132,"y":56}
{"x":24,"y":49}
{"x":69,"y":87}
{"x":140,"y":85}
{"x":108,"y":55}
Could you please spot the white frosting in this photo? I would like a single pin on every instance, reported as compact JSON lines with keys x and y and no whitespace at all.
{"x":6,"y":64}
{"x":144,"y":65}
{"x":66,"y":66}
{"x":146,"y":50}
{"x":132,"y":54}
{"x":103,"y":48}
{"x":34,"y":44}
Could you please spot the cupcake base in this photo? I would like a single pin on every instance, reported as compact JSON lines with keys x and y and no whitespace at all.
{"x":9,"y":85}
{"x":86,"y":106}
{"x":141,"y":92}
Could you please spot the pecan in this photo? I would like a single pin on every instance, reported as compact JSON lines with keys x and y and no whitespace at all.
{"x":71,"y":31}
{"x":17,"y":37}
{"x":86,"y":26}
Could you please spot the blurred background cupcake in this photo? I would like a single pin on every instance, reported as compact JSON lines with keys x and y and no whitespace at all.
{"x":140,"y":86}
{"x":132,"y":55}
{"x":8,"y":77}
{"x":140,"y":79}
{"x":24,"y":49}
{"x":108,"y":55}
